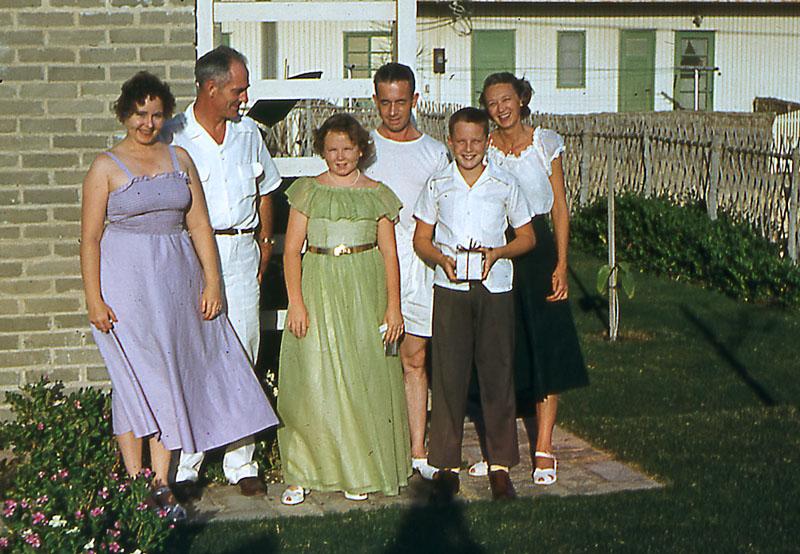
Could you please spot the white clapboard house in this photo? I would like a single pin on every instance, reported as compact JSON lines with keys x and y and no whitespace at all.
{"x":581,"y":56}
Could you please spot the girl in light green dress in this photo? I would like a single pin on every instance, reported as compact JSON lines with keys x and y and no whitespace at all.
{"x":341,"y":399}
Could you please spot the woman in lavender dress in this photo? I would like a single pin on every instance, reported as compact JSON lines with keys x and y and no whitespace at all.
{"x":152,"y":283}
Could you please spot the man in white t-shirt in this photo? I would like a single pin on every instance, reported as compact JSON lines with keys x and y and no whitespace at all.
{"x":404,"y":160}
{"x":237,"y":174}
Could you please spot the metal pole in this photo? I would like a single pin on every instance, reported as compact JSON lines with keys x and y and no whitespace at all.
{"x":586,"y":166}
{"x":648,"y":165}
{"x":696,"y":89}
{"x":613,"y":300}
{"x":713,"y":181}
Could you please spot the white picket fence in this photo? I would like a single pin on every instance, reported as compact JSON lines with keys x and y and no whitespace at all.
{"x":786,"y":129}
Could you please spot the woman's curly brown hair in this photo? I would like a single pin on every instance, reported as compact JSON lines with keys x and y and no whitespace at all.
{"x":137,"y":89}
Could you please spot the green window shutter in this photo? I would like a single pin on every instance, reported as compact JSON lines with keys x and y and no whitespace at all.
{"x":492,"y":51}
{"x":571,"y":59}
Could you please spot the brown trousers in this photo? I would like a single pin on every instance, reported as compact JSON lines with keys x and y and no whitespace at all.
{"x":472,"y":327}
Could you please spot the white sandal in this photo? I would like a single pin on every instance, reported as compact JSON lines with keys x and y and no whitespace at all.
{"x":293,"y":495}
{"x":545,"y":476}
{"x":478,"y":469}
{"x":358,"y":497}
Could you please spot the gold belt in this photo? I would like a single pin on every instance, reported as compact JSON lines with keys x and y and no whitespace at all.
{"x":342,"y":249}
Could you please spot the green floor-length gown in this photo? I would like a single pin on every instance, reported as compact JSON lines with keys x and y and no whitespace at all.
{"x":340,"y":399}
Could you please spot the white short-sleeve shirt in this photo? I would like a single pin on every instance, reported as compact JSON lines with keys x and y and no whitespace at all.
{"x":405,"y":167}
{"x":233,"y":174}
{"x":478,"y":214}
{"x":533,"y":168}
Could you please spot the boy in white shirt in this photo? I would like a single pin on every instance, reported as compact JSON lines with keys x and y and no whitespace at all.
{"x":469,"y":206}
{"x":404,"y":160}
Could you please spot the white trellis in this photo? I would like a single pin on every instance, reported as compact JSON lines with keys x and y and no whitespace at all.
{"x":402,"y":12}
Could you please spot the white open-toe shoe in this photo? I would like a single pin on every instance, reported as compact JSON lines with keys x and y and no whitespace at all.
{"x":293,"y":495}
{"x":478,"y":469}
{"x":357,"y":497}
{"x":545,"y":476}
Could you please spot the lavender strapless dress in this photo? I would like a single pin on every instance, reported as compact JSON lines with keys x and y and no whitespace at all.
{"x":172,"y":372}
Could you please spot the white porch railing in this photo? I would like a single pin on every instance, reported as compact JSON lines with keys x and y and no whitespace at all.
{"x":786,"y":129}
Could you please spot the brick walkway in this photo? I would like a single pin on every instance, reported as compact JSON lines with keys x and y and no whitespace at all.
{"x":582,"y":470}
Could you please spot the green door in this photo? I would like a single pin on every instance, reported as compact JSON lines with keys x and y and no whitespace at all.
{"x":694,"y":48}
{"x":492,"y":51}
{"x":637,"y":71}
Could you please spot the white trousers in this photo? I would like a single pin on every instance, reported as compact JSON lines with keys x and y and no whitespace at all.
{"x":239,"y":256}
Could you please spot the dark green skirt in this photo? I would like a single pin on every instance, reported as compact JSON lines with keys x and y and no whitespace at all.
{"x":548,"y":357}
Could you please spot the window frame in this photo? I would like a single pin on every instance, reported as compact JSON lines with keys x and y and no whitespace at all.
{"x":560,"y":77}
{"x":348,"y":35}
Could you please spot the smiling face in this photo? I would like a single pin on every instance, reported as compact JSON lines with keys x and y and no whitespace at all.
{"x":341,"y":154}
{"x":395,"y":100}
{"x":468,"y":141}
{"x":229,"y":97}
{"x":503,"y":105}
{"x":146,"y":121}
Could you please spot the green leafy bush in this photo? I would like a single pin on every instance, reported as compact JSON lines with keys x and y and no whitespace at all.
{"x":682,"y":242}
{"x":68,"y":492}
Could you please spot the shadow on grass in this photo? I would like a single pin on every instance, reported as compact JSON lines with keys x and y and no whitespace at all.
{"x":231,"y":540}
{"x":434,"y":528}
{"x":590,"y":301}
{"x":724,"y":352}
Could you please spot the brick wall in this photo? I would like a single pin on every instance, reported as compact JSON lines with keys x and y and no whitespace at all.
{"x":62,"y":63}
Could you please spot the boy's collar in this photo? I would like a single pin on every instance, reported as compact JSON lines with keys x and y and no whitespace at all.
{"x":485,"y":174}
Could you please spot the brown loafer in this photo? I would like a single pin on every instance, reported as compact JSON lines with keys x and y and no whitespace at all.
{"x":501,"y":485}
{"x":251,"y":486}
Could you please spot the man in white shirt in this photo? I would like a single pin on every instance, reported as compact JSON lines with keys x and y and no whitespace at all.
{"x":237,"y":174}
{"x":469,"y":206}
{"x":404,"y":160}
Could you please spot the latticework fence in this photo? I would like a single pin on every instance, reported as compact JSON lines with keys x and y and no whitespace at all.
{"x":728,"y":162}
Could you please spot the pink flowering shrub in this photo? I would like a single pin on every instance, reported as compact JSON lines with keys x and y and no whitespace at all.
{"x":66,"y":490}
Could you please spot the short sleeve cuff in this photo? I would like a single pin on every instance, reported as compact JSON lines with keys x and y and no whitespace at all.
{"x":424,"y":219}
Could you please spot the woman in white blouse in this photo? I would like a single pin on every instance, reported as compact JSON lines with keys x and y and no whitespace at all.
{"x":548,"y":358}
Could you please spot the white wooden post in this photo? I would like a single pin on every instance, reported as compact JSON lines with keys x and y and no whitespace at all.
{"x":613,"y":298}
{"x":205,"y":26}
{"x":407,"y":32}
{"x":793,"y":200}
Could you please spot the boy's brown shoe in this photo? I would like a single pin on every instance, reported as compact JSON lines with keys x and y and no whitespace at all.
{"x":501,"y":485}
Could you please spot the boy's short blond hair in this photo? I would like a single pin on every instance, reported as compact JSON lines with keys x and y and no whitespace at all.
{"x":469,"y":115}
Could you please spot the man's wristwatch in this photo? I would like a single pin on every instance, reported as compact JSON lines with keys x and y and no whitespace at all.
{"x":268,"y":240}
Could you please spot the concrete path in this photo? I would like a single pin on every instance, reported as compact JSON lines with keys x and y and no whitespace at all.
{"x":581,"y":470}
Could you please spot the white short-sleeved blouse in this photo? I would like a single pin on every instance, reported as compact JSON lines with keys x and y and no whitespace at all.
{"x":533,"y":168}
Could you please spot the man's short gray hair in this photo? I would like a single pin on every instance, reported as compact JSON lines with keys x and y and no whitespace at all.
{"x":216,"y":64}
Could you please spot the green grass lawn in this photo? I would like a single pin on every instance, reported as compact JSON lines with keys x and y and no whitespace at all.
{"x":701,"y":392}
